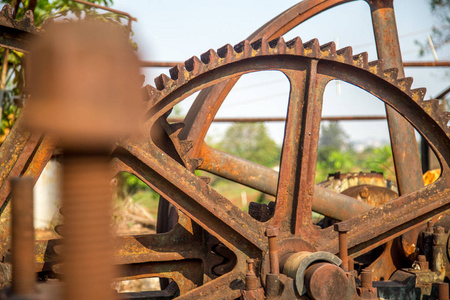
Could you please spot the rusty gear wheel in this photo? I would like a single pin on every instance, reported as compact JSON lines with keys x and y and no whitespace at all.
{"x":309,"y":67}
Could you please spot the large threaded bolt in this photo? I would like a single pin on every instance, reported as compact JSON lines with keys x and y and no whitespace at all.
{"x":87,"y":98}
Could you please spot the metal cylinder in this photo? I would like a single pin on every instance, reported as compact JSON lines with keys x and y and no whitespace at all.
{"x":87,"y":249}
{"x":439,"y":251}
{"x":443,"y":291}
{"x":343,"y":250}
{"x":326,"y":281}
{"x":366,"y":278}
{"x":296,"y":264}
{"x":23,"y":249}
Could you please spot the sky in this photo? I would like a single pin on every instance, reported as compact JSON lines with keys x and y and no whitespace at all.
{"x":178,"y":30}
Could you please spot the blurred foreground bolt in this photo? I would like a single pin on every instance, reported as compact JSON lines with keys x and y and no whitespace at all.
{"x":342,"y":229}
{"x":87,"y":98}
{"x":23,"y":252}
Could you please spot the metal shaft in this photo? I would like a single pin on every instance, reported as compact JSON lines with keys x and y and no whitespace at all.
{"x":88,"y":264}
{"x":23,"y":250}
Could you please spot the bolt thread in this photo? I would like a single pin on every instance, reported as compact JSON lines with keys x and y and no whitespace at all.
{"x":87,"y":249}
{"x":366,"y":278}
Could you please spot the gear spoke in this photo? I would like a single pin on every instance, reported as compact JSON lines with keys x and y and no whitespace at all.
{"x":195,"y":198}
{"x":299,"y":153}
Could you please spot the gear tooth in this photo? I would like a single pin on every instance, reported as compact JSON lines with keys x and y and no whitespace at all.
{"x":175,"y":128}
{"x":295,"y":46}
{"x":177,"y":73}
{"x":244,"y":48}
{"x":150,"y":92}
{"x":261,"y":45}
{"x":59,"y":229}
{"x":194,"y":65}
{"x":7,"y":11}
{"x":361,"y":60}
{"x":345,"y":55}
{"x":196,"y":162}
{"x":186,"y":146}
{"x":430,"y":106}
{"x":418,"y":94}
{"x":375,"y":66}
{"x":275,"y":42}
{"x":226,"y":51}
{"x":256,"y":45}
{"x":328,"y":50}
{"x":206,"y":179}
{"x":28,"y":19}
{"x":162,"y":81}
{"x":279,"y":45}
{"x":405,"y":84}
{"x":312,"y":48}
{"x":391,"y":74}
{"x":209,"y":57}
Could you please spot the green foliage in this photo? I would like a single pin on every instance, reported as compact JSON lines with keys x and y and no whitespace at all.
{"x":44,"y":9}
{"x":332,"y":136}
{"x":336,"y":154}
{"x":252,"y":142}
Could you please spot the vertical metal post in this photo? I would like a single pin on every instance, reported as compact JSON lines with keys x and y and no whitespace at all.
{"x":404,"y":145}
{"x":23,"y":249}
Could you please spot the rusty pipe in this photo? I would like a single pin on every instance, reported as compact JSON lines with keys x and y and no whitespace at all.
{"x":265,"y":180}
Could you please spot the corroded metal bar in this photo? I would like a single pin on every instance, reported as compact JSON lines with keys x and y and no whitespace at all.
{"x":264,"y":179}
{"x":283,"y":119}
{"x":405,"y":151}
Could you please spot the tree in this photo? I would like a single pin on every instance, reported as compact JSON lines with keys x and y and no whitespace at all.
{"x":440,"y":34}
{"x":252,"y":142}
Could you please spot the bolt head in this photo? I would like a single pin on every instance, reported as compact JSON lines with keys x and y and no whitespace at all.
{"x":272,"y":231}
{"x":342,"y":227}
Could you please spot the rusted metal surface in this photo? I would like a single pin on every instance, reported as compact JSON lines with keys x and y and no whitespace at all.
{"x":404,"y":145}
{"x":16,"y":34}
{"x":426,"y":64}
{"x":165,"y":159}
{"x":265,"y":180}
{"x":274,"y":119}
{"x":397,"y":216}
{"x":342,"y":229}
{"x":326,"y":281}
